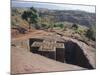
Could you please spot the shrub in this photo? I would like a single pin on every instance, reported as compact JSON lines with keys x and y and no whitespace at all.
{"x":91,"y":33}
{"x":75,"y":26}
{"x":44,"y":26}
{"x":59,"y":25}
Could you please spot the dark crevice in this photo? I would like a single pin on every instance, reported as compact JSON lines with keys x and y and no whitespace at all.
{"x":75,"y":55}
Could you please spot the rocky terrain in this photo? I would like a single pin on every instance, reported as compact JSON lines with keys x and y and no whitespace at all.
{"x":75,"y":29}
{"x":23,"y":61}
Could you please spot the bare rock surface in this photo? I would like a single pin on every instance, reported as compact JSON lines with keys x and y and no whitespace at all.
{"x":88,"y":50}
{"x":23,"y":61}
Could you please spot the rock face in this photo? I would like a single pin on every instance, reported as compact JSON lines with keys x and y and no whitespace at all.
{"x":74,"y":52}
{"x":77,"y":55}
{"x":23,"y":61}
{"x":21,"y":44}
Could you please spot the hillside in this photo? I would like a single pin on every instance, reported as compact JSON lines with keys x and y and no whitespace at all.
{"x":58,"y":21}
{"x":73,"y":16}
{"x":45,"y":40}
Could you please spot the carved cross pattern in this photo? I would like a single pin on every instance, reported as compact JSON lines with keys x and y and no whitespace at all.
{"x":47,"y":45}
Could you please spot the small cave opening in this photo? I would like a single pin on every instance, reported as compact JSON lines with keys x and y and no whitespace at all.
{"x":75,"y":55}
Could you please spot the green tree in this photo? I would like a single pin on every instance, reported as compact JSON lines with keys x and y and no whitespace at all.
{"x":31,"y":16}
{"x":91,"y":33}
{"x":75,"y":26}
{"x":61,"y":25}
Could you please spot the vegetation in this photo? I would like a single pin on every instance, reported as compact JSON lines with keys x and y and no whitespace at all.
{"x":31,"y":16}
{"x":59,"y":25}
{"x":75,"y":26}
{"x":91,"y":33}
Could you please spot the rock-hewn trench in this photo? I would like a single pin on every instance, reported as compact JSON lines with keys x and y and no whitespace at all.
{"x":75,"y":55}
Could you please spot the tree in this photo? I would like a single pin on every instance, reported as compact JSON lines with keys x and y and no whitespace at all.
{"x":91,"y":33}
{"x":31,"y":16}
{"x":75,"y":26}
{"x":52,"y":20}
{"x":61,"y":25}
